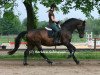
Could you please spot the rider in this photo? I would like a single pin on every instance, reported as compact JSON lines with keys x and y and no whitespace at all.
{"x":53,"y":22}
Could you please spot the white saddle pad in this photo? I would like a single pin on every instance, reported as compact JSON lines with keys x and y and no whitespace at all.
{"x":48,"y":28}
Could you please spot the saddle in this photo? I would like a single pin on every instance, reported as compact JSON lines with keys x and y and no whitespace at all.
{"x":50,"y":32}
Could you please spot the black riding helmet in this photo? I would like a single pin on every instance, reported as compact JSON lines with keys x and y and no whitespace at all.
{"x":53,"y":6}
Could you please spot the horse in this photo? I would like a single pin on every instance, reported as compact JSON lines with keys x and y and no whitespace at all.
{"x":38,"y":37}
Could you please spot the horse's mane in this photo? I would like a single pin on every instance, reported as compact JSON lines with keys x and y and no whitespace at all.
{"x":68,"y":21}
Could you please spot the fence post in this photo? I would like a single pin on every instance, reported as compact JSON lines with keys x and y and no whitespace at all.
{"x":94,"y":44}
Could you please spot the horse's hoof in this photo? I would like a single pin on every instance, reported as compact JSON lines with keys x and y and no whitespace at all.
{"x":50,"y":63}
{"x":10,"y":52}
{"x":25,"y":64}
{"x":78,"y":62}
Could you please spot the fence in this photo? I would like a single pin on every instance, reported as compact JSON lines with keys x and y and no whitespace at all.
{"x":91,"y":43}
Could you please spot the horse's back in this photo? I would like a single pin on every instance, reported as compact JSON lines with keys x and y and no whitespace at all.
{"x":37,"y":34}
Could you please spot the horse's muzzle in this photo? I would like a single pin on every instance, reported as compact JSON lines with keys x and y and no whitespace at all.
{"x":81,"y":35}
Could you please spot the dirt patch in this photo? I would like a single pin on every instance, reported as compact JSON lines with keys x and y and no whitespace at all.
{"x":41,"y":67}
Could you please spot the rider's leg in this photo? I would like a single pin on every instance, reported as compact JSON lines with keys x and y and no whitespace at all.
{"x":56,"y":30}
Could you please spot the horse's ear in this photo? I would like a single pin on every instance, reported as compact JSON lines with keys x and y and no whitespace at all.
{"x":84,"y":22}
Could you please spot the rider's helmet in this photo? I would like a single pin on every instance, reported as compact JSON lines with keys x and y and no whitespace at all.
{"x":53,"y":6}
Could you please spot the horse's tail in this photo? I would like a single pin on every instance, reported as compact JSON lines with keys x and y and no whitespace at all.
{"x":17,"y":42}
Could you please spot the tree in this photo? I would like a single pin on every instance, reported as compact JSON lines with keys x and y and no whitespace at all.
{"x":31,"y":17}
{"x":86,"y":6}
{"x":93,"y":25}
{"x":24,"y":24}
{"x":42,"y":24}
{"x":10,"y":24}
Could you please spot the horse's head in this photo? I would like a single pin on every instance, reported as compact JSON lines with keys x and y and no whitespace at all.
{"x":71,"y":24}
{"x":81,"y":29}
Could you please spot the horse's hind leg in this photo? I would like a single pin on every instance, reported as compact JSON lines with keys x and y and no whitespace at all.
{"x":42,"y":54}
{"x":32,"y":51}
{"x":26,"y":53}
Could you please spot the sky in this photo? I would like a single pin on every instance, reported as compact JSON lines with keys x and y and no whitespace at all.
{"x":43,"y":15}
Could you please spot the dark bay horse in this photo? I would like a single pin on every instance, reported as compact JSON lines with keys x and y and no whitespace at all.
{"x":38,"y":37}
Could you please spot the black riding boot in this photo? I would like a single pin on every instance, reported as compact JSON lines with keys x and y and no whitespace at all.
{"x":56,"y":38}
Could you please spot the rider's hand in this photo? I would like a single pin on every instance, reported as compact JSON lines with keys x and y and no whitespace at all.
{"x":58,"y":22}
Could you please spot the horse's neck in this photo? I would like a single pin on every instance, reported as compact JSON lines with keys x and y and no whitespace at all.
{"x":69,"y":28}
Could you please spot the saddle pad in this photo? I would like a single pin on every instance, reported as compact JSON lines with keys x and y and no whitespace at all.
{"x":48,"y":28}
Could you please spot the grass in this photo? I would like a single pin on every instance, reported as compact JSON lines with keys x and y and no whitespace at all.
{"x":87,"y":55}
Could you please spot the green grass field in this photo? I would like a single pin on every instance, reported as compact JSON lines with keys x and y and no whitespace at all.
{"x":83,"y":55}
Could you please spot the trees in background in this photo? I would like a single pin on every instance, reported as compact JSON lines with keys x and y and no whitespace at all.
{"x":24,"y":24}
{"x":86,"y":6}
{"x":7,"y":6}
{"x":10,"y":24}
{"x":93,"y":25}
{"x":14,"y":26}
{"x":40,"y":24}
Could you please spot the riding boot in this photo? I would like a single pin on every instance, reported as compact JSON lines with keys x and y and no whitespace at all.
{"x":56,"y":38}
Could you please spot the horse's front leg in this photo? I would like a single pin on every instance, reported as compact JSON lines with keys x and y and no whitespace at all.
{"x":26,"y":53}
{"x":71,"y":54}
{"x":72,"y":50}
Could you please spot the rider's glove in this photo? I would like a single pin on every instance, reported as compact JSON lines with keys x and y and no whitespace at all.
{"x":58,"y":22}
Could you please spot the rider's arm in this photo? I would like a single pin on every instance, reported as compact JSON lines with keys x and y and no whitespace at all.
{"x":53,"y":19}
